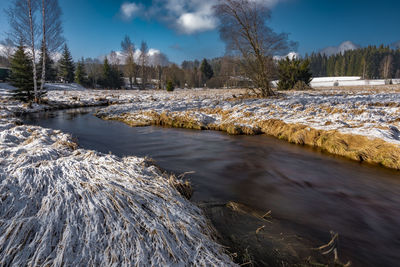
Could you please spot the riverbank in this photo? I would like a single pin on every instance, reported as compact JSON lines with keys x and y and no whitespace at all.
{"x":358,"y":123}
{"x":62,"y":205}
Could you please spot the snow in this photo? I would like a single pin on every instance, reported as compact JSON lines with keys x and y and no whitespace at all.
{"x":63,"y":86}
{"x":343,"y":81}
{"x":368,"y":112}
{"x":61,"y":205}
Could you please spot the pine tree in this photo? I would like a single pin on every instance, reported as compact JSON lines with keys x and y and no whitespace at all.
{"x":21,"y":75}
{"x":106,"y":79}
{"x":80,"y":73}
{"x":112,"y":77}
{"x":293,"y":72}
{"x":66,"y":66}
{"x":51,"y":72}
{"x":206,"y":70}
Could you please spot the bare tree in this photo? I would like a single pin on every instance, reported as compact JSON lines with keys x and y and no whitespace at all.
{"x":114,"y":60}
{"x":52,"y":38}
{"x":24,"y":29}
{"x":143,"y":60}
{"x":128,"y":49}
{"x":159,"y":61}
{"x":243,"y":28}
{"x":94,"y":70}
{"x":386,"y":66}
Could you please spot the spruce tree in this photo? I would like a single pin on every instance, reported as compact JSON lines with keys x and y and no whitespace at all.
{"x":66,"y":66}
{"x":112,"y":76}
{"x":206,"y":69}
{"x":293,"y":72}
{"x":51,"y":72}
{"x":22,"y":75}
{"x":107,"y":73}
{"x":80,"y":73}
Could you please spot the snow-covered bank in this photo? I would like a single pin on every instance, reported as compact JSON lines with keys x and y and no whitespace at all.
{"x":345,"y":81}
{"x":373,"y":113}
{"x":60,"y":205}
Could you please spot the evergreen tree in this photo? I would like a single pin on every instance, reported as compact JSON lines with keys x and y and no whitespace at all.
{"x":21,"y":75}
{"x":66,"y":66}
{"x":206,"y":69}
{"x":112,"y":77}
{"x":106,"y":79}
{"x":293,"y":71}
{"x":80,"y":73}
{"x":368,"y":63}
{"x":51,"y":72}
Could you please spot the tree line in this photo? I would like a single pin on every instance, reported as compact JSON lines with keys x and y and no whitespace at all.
{"x":372,"y":62}
{"x":250,"y":62}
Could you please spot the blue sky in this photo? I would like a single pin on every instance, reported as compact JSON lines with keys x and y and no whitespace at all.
{"x":185,"y":29}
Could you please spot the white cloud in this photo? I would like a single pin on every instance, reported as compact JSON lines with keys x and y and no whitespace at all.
{"x":186,"y":16}
{"x":120,"y":57}
{"x":194,"y":22}
{"x":343,"y":47}
{"x":5,"y":50}
{"x":291,"y":56}
{"x":129,"y":10}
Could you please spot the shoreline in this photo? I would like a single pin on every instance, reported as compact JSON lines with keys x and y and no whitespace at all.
{"x":63,"y":204}
{"x":357,"y":147}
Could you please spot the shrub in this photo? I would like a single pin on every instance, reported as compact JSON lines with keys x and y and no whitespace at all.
{"x":301,"y":86}
{"x":291,"y":71}
{"x":170,"y":86}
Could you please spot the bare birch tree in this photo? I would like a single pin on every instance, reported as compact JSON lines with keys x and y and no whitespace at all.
{"x":159,"y":61}
{"x":143,"y":60}
{"x":128,"y":49}
{"x":52,"y":39}
{"x":24,"y":30}
{"x":386,"y":66}
{"x":244,"y":30}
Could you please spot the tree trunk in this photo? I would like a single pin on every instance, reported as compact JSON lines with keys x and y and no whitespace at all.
{"x":44,"y":48}
{"x":31,"y":26}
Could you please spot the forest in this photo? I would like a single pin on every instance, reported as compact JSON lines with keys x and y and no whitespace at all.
{"x":371,"y":62}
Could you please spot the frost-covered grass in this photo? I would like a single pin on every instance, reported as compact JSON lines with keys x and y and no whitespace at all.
{"x":64,"y":206}
{"x":372,"y":113}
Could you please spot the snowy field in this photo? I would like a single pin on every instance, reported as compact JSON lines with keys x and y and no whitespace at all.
{"x":345,"y":81}
{"x":61,"y":205}
{"x":373,"y":112}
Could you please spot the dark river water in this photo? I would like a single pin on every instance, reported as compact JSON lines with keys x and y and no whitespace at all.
{"x":308,"y":192}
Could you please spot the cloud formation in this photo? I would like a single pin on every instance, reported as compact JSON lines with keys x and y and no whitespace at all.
{"x":130,"y":10}
{"x":185,"y":16}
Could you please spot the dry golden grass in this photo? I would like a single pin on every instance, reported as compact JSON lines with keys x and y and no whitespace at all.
{"x":355,"y":147}
{"x":351,"y":146}
{"x":183,"y":187}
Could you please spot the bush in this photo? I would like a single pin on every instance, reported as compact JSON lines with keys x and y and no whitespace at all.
{"x":292,"y":71}
{"x":301,"y":86}
{"x":170,"y":86}
{"x":216,"y":82}
{"x":336,"y":83}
